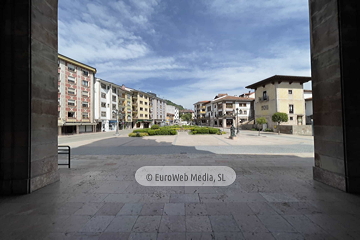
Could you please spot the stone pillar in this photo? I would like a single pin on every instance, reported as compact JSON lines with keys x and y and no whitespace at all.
{"x":335,"y":61}
{"x":28,"y":121}
{"x":77,"y":129}
{"x":224,"y":123}
{"x":59,"y":131}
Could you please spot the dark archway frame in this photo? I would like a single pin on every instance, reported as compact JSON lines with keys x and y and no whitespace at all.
{"x":28,"y":122}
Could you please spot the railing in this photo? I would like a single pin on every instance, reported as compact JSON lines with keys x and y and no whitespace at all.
{"x":64,"y":150}
{"x":264,"y":98}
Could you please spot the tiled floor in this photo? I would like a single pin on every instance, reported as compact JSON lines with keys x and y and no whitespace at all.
{"x":273,"y":197}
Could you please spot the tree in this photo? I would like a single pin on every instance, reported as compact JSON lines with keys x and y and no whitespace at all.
{"x":279,"y":117}
{"x":186,"y":117}
{"x":260,"y":121}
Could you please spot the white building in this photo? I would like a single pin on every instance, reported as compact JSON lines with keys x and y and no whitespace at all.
{"x":106,"y":102}
{"x":157,"y":109}
{"x":308,"y":106}
{"x":172,"y":114}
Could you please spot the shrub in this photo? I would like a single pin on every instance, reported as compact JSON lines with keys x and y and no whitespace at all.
{"x":141,"y":130}
{"x":269,"y":130}
{"x":155,"y":126}
{"x":173,"y":132}
{"x":194,"y":132}
{"x":213,"y":130}
{"x":138,"y":134}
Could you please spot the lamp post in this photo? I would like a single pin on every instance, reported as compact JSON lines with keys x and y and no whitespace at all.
{"x":116,"y":111}
{"x":237,"y":120}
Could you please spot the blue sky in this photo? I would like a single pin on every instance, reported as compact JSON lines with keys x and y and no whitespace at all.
{"x":189,"y":50}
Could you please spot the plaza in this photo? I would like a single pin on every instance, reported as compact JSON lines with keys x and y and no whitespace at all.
{"x":273,"y":196}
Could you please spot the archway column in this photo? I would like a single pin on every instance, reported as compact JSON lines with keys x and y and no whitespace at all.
{"x":28,"y":121}
{"x":335,"y":62}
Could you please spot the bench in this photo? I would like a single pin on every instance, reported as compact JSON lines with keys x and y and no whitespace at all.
{"x":62,"y":149}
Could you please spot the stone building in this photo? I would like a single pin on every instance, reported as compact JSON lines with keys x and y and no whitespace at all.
{"x":75,"y":96}
{"x":280,"y":94}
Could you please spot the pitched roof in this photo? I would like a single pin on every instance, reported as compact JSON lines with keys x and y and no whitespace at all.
{"x":279,"y":78}
{"x":306,"y":90}
{"x":233,"y":98}
{"x":202,"y":102}
{"x":308,"y":99}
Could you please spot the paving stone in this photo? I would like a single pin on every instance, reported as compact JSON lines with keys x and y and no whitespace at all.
{"x":109,"y":209}
{"x":276,"y":223}
{"x":123,"y":198}
{"x":114,"y":236}
{"x":302,"y":224}
{"x":142,"y":236}
{"x":262,"y":208}
{"x":174,"y":209}
{"x":152,"y":209}
{"x":70,"y":224}
{"x":288,"y":236}
{"x":172,"y":224}
{"x":89,"y":209}
{"x":147,"y":224}
{"x":131,"y":209}
{"x":279,"y":197}
{"x":196,"y":209}
{"x":171,"y":236}
{"x":198,"y":224}
{"x":258,"y":235}
{"x":121,"y":224}
{"x":97,"y":224}
{"x":229,"y":236}
{"x":250,"y":223}
{"x":223,"y":223}
{"x":218,"y":209}
{"x":200,"y":236}
{"x":184,"y":198}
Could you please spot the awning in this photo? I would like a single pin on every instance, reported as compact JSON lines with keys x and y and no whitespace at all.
{"x":112,"y":121}
{"x":77,"y":124}
{"x":144,"y":120}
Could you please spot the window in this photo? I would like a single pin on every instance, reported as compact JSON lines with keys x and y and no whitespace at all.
{"x":141,"y":109}
{"x":141,"y":102}
{"x":103,"y":95}
{"x":160,"y":116}
{"x":59,"y":89}
{"x":291,"y":108}
{"x":146,"y":97}
{"x":113,"y":115}
{"x":141,"y":95}
{"x":128,"y":96}
{"x":85,"y":93}
{"x":71,"y":67}
{"x":71,"y":91}
{"x":85,"y":115}
{"x":291,"y":118}
{"x":114,"y":90}
{"x":103,"y":114}
{"x":71,"y":80}
{"x":103,"y":86}
{"x":85,"y":73}
{"x":59,"y":114}
{"x":59,"y":77}
{"x":59,"y":101}
{"x":128,"y":103}
{"x":71,"y":114}
{"x":146,"y":103}
{"x":85,"y":83}
{"x":265,"y":95}
{"x":114,"y":98}
{"x":85,"y":104}
{"x":71,"y":102}
{"x":146,"y":115}
{"x":141,"y":115}
{"x":103,"y":104}
{"x":114,"y":106}
{"x":245,"y":112}
{"x":145,"y":109}
{"x":290,"y":91}
{"x":229,"y":105}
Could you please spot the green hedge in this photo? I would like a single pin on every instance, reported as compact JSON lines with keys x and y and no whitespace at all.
{"x":155,"y":126}
{"x":138,"y":134}
{"x":152,"y":132}
{"x":205,"y":130}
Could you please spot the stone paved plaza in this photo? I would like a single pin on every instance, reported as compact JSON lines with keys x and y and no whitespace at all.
{"x":273,"y":196}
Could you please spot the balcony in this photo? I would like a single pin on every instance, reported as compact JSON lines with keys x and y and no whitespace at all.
{"x":264,"y":98}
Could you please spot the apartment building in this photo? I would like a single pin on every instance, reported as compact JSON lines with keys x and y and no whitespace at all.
{"x":223,"y":111}
{"x":141,"y":104}
{"x":157,"y":109}
{"x":107,"y":106}
{"x":181,"y":112}
{"x":280,"y":94}
{"x":125,"y":107}
{"x":75,"y":96}
{"x":308,"y":106}
{"x":172,"y":114}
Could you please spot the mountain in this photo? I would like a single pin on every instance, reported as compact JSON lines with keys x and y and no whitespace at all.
{"x":168,"y":102}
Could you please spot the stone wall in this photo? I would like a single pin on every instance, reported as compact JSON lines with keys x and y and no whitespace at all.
{"x":28,"y":122}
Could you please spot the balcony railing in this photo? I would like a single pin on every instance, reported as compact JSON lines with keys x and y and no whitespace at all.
{"x":264,"y":98}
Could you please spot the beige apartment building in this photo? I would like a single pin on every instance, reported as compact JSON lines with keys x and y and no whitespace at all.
{"x":141,"y":109}
{"x":280,"y":94}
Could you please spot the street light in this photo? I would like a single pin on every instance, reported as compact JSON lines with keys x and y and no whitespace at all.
{"x":237,"y":120}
